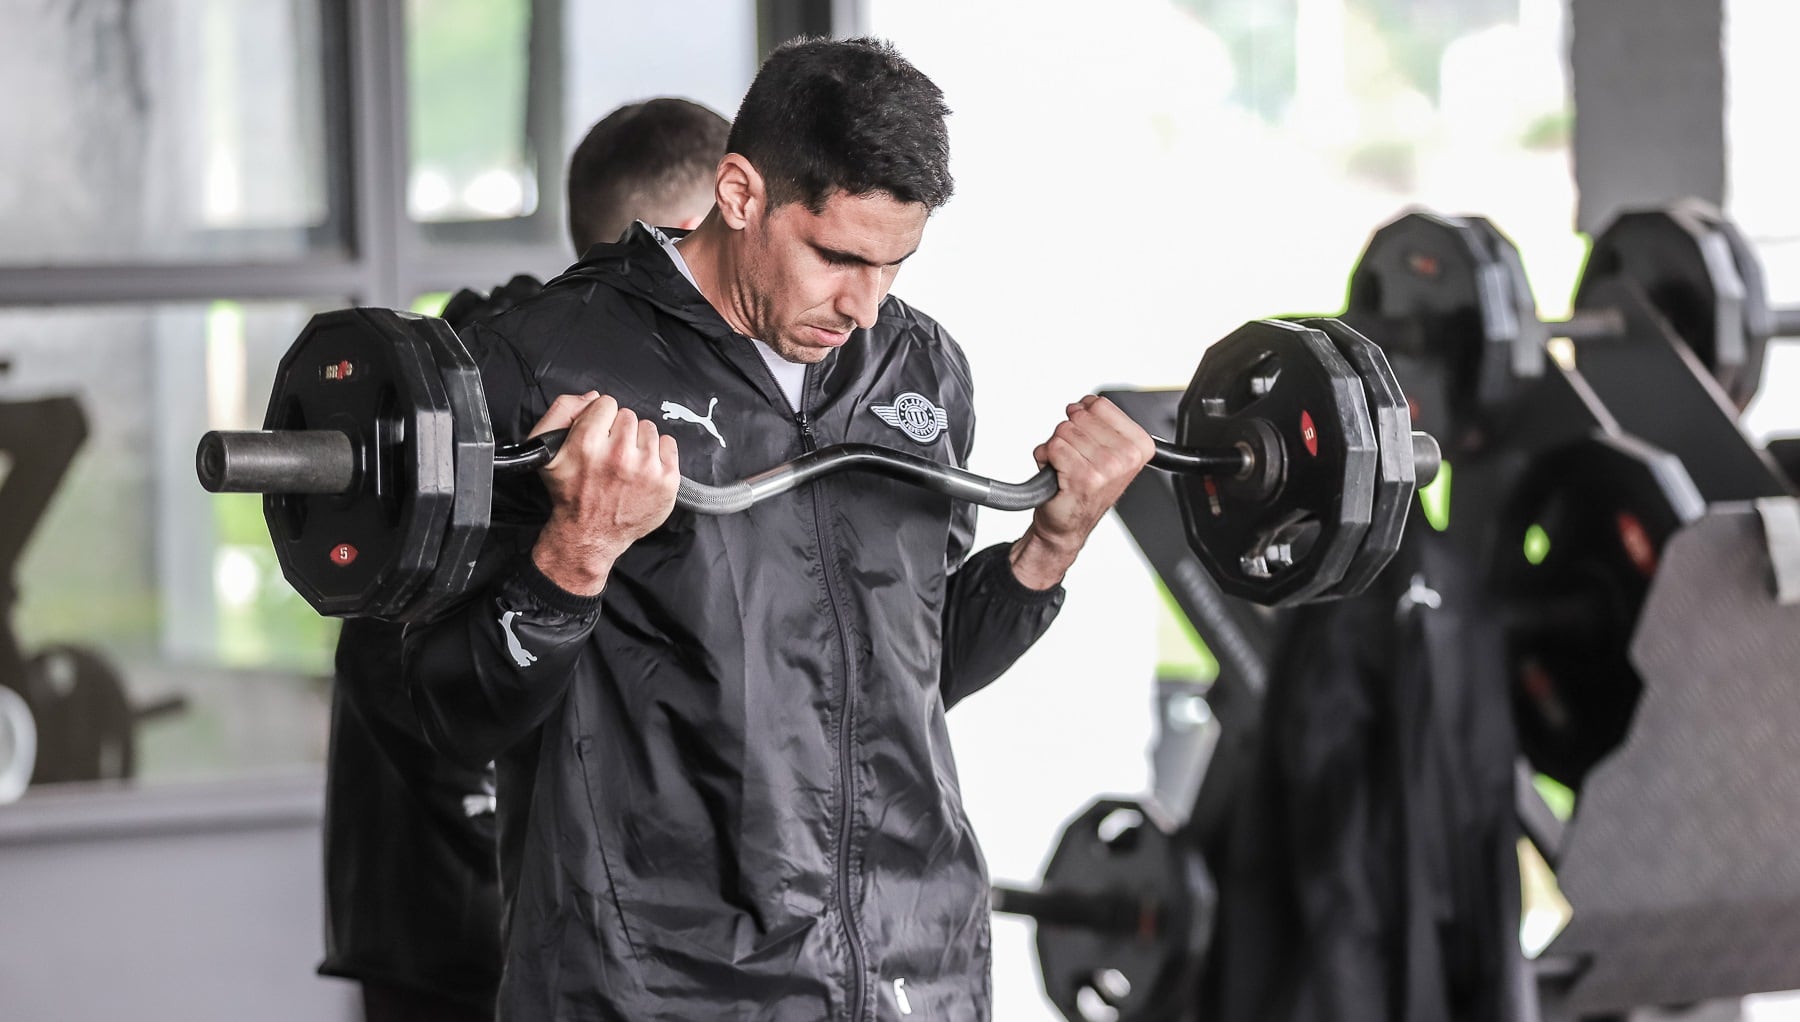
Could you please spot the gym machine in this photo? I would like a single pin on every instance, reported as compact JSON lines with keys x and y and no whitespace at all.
{"x":1645,"y":562}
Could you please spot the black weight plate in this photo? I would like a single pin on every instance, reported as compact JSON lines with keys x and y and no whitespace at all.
{"x":1394,"y":479}
{"x":1288,"y":534}
{"x":1684,"y":263}
{"x":422,"y":447}
{"x":472,"y":465}
{"x":1511,"y":314}
{"x":1446,"y":278}
{"x":1579,"y":541}
{"x":368,"y":551}
{"x":86,"y":730}
{"x":1114,"y":851}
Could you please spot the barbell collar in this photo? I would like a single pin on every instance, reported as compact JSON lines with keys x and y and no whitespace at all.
{"x":276,"y":461}
{"x":1428,"y":457}
{"x":1784,"y":320}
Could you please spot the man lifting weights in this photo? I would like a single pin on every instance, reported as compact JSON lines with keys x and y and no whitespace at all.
{"x":725,"y":785}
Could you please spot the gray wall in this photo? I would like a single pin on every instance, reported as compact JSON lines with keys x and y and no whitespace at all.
{"x":193,"y":903}
{"x":1649,"y":84}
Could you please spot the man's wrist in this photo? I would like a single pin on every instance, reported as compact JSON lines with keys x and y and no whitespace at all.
{"x":1039,"y":562}
{"x":576,"y":563}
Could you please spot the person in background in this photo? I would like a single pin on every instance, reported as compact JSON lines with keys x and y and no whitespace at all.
{"x":650,"y":161}
{"x":412,"y":899}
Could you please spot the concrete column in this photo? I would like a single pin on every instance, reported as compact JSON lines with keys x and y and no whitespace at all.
{"x":1649,"y":84}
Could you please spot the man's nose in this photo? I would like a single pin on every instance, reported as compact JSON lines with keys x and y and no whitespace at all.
{"x":860,"y":300}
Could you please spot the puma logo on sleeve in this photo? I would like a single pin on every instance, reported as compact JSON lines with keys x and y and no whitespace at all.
{"x":521,"y":656}
{"x":682,"y":413}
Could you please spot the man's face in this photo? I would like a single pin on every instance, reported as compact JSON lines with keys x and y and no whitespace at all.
{"x":808,"y":278}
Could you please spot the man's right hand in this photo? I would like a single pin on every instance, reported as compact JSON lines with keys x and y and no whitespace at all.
{"x":613,"y":481}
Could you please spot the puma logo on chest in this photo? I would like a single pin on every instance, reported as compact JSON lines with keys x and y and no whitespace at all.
{"x":682,"y":413}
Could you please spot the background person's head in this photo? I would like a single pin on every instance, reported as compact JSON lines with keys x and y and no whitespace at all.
{"x":652,"y":161}
{"x":838,"y":155}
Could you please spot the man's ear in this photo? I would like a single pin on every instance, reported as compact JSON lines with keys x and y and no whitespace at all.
{"x":738,"y":191}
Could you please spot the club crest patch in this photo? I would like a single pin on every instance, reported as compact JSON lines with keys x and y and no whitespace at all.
{"x":914,"y":415}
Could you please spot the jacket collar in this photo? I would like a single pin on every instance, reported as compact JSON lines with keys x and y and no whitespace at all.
{"x":636,"y":264}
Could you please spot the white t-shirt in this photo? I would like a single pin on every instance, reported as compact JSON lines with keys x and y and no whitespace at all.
{"x":789,"y":376}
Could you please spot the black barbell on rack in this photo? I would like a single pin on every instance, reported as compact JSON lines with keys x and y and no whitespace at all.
{"x":1295,"y":463}
{"x":1124,"y":911}
{"x":1453,"y":290}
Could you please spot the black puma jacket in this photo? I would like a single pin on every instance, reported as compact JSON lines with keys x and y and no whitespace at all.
{"x":725,"y":785}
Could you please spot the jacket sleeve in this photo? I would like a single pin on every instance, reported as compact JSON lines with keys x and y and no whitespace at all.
{"x":488,"y":670}
{"x":990,"y":617}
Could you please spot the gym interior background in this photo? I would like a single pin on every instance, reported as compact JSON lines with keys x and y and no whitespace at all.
{"x":185,"y":182}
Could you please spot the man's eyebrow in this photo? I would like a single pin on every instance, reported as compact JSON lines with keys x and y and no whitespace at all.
{"x":839,"y":256}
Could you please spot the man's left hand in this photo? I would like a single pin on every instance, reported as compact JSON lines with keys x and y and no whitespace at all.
{"x":1096,"y":452}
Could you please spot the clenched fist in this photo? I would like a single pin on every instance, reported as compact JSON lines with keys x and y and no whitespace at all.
{"x":613,"y":481}
{"x":1096,"y":452}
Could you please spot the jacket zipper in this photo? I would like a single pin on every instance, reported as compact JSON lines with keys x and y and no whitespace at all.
{"x":859,"y":994}
{"x":846,"y":768}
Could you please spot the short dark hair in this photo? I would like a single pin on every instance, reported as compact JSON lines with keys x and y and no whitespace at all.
{"x":849,"y":115}
{"x":652,"y":161}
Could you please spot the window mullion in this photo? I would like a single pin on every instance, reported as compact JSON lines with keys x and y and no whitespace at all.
{"x":378,"y":149}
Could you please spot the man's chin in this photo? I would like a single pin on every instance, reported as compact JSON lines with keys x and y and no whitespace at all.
{"x":803,"y":354}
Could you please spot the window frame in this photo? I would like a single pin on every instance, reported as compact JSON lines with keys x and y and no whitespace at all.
{"x":387,"y":258}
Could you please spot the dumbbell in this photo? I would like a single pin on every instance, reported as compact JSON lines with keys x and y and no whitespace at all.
{"x":1295,"y":462}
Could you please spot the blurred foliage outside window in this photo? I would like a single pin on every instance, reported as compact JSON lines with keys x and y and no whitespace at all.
{"x":467,"y":81}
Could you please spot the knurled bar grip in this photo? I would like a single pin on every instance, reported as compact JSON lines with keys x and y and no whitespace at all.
{"x":324,"y":461}
{"x":899,"y":465}
{"x":911,"y":469}
{"x":923,"y":473}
